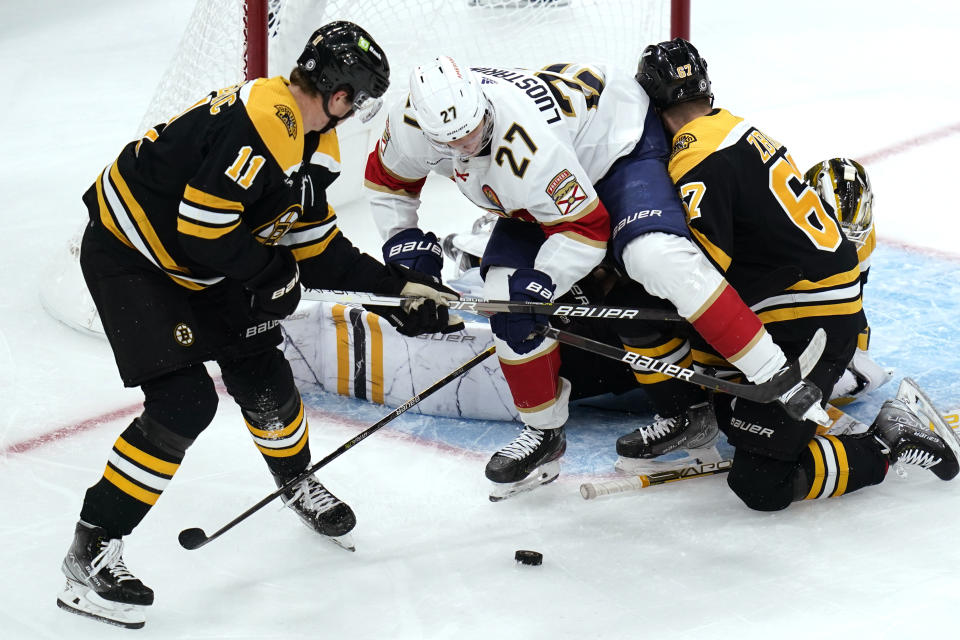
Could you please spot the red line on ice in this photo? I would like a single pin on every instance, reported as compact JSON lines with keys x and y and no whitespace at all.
{"x":71,"y":430}
{"x":62,"y":433}
{"x":874,"y":156}
{"x":903,"y":147}
{"x":910,"y":144}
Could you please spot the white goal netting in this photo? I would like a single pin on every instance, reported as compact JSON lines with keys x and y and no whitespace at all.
{"x":214,"y":53}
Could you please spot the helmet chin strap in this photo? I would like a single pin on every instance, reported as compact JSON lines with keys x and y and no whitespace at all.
{"x":332,"y":120}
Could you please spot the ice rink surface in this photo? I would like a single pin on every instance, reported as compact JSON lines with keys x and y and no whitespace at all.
{"x":434,"y":558}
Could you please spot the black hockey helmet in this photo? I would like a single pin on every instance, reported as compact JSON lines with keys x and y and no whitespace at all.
{"x":342,"y":55}
{"x":673,"y":72}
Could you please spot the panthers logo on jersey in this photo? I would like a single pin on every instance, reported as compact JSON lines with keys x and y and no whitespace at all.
{"x":492,"y":196}
{"x":566,"y":192}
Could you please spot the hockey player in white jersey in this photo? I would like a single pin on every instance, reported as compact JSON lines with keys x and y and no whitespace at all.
{"x":576,"y":151}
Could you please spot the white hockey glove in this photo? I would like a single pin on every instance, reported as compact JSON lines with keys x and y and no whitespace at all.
{"x":802,"y":402}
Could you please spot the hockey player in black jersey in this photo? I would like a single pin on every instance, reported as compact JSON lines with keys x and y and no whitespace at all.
{"x":781,"y":247}
{"x":200,"y":235}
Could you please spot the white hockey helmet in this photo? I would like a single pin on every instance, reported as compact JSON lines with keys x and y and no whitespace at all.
{"x":845,"y":186}
{"x":449,"y":104}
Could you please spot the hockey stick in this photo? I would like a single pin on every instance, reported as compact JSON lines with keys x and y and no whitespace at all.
{"x":194,"y":537}
{"x":767,"y":391}
{"x":480,"y":306}
{"x":591,"y":490}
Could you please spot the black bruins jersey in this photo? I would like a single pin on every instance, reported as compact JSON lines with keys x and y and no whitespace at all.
{"x":202,"y":195}
{"x":755,"y":218}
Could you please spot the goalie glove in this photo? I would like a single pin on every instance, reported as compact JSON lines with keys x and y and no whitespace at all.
{"x":862,"y":376}
{"x":416,"y":250}
{"x":428,"y":313}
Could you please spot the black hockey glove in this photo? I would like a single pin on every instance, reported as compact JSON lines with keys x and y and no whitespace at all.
{"x":416,"y":250}
{"x":275,"y":291}
{"x":517,"y":329}
{"x":428,"y":313}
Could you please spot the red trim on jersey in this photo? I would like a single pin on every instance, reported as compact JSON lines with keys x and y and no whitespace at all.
{"x":593,"y":226}
{"x":728,"y":324}
{"x":379,"y":175}
{"x":523,"y":214}
{"x":534,"y":382}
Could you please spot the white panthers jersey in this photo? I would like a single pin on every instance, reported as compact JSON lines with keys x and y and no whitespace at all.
{"x":556,"y":132}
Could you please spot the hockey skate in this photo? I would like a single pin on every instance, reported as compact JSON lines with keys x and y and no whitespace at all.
{"x":320,"y":510}
{"x":906,"y":440}
{"x":531,"y":460}
{"x":669,"y":443}
{"x":919,"y":402}
{"x":99,"y":585}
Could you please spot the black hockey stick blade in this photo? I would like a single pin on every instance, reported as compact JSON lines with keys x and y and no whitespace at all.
{"x":487,"y":307}
{"x":194,"y":537}
{"x":767,"y":391}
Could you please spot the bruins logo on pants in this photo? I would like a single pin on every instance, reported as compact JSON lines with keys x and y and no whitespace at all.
{"x":183,"y":334}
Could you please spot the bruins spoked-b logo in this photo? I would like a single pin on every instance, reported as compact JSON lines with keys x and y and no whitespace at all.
{"x":682,"y":142}
{"x":288,"y":119}
{"x":183,"y":334}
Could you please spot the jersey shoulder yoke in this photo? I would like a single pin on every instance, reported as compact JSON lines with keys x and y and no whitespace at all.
{"x":702,"y":137}
{"x":277,"y":119}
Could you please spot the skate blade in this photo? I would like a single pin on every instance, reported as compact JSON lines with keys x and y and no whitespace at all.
{"x":544,"y":474}
{"x":82,"y":600}
{"x":344,"y":542}
{"x":646,"y":466}
{"x":915,"y":398}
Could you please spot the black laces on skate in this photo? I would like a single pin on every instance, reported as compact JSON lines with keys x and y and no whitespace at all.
{"x":110,"y":558}
{"x":313,"y":496}
{"x":525,"y":444}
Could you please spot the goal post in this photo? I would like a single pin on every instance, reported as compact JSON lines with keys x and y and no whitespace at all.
{"x":229,"y":41}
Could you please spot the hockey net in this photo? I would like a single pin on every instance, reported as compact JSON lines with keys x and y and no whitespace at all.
{"x":228,"y":41}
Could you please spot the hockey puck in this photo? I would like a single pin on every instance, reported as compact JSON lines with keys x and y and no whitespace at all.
{"x":533,"y":558}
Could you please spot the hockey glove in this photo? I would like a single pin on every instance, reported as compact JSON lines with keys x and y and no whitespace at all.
{"x":275,"y":291}
{"x":416,"y":250}
{"x":802,"y":402}
{"x":428,"y":313}
{"x":517,"y":329}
